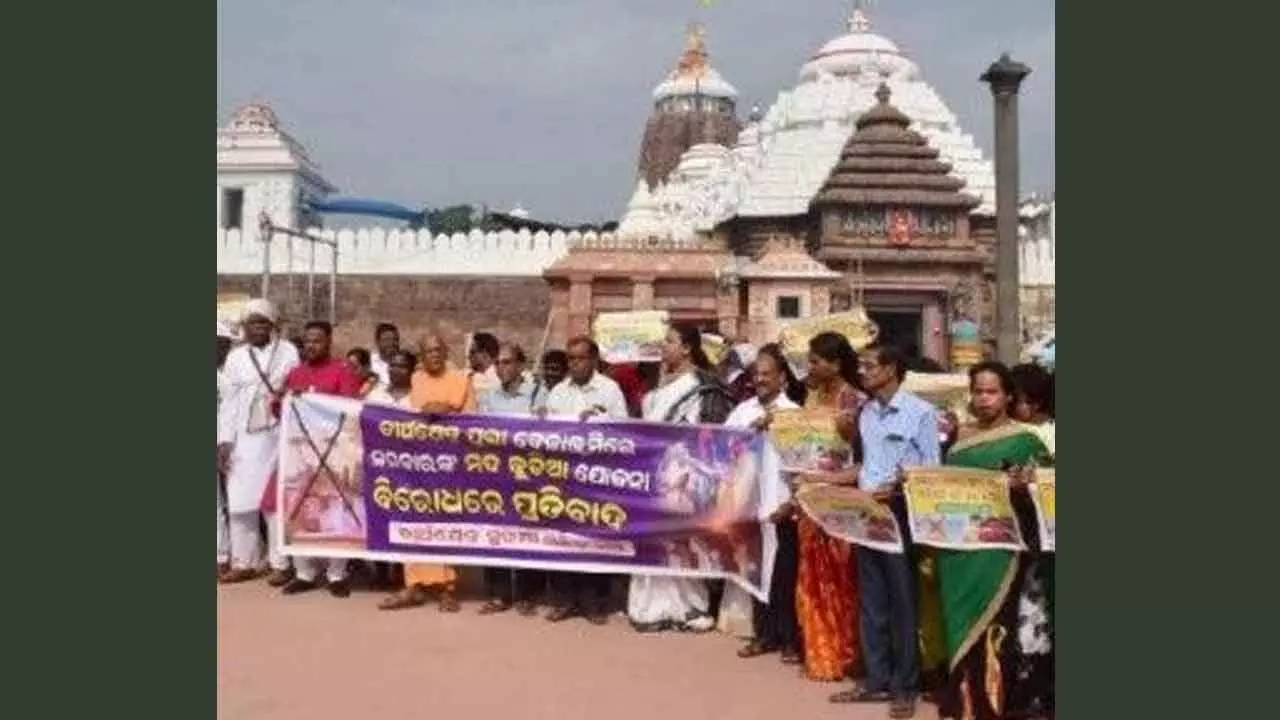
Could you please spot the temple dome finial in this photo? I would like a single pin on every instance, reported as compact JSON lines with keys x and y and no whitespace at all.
{"x":858,"y":20}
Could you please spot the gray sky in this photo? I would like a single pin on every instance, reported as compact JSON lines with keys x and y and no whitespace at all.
{"x":436,"y":102}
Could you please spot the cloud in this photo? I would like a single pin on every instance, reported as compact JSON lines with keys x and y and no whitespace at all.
{"x":499,"y":101}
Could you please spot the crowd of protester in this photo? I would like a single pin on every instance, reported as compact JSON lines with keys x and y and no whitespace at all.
{"x":971,"y":629}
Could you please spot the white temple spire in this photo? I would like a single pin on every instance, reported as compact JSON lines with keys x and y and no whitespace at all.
{"x":858,"y":20}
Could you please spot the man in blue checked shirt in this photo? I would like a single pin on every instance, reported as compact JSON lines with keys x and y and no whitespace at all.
{"x":897,"y":430}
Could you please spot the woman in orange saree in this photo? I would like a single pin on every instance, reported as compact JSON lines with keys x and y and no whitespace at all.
{"x":826,"y":599}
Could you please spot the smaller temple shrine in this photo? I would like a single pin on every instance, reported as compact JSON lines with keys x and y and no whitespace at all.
{"x":896,"y":223}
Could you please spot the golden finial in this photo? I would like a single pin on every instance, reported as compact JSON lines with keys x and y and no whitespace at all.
{"x":695,"y":38}
{"x":694,"y":56}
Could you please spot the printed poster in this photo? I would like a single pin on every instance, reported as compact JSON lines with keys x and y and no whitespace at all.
{"x":1043,"y":492}
{"x":961,"y":509}
{"x":631,"y":337}
{"x":851,"y":515}
{"x":795,"y":336}
{"x":807,"y":442}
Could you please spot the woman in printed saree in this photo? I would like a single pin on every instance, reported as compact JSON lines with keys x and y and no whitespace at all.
{"x":826,"y":600}
{"x":994,"y":624}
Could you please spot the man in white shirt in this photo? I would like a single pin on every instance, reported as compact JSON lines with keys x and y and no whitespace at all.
{"x":386,"y":340}
{"x":585,"y":395}
{"x":482,"y":356}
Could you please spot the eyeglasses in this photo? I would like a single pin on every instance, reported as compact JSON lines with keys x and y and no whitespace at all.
{"x":579,"y":358}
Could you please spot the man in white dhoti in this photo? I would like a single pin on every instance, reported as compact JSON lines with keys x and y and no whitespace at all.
{"x":249,"y":439}
{"x":225,"y":338}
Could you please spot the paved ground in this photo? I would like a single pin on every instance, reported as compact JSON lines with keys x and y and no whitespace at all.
{"x":319,"y":658}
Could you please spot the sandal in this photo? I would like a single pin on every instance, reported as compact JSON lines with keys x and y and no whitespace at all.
{"x":279,"y":578}
{"x":902,"y":707}
{"x":492,"y":607}
{"x":409,"y":597}
{"x":860,"y":694}
{"x":236,"y":576}
{"x":755,"y":648}
{"x":791,"y":656}
{"x":449,"y":602}
{"x":560,"y":614}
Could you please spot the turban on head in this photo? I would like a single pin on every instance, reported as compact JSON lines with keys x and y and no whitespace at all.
{"x":261,"y":307}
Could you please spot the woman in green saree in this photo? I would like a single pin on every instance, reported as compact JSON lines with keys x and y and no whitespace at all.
{"x":992,"y":611}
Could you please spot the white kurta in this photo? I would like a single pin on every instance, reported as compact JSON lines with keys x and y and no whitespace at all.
{"x":245,"y":419}
{"x":224,"y":533}
{"x":381,"y":395}
{"x":680,"y":601}
{"x":736,"y":608}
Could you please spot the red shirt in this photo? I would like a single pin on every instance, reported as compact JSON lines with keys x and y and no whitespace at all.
{"x":329,"y":377}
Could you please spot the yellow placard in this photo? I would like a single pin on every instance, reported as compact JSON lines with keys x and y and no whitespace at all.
{"x":807,"y":442}
{"x":629,"y":337}
{"x":961,"y":509}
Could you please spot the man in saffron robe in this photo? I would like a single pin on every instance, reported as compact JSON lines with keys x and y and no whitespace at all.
{"x":434,"y":388}
{"x":321,"y":372}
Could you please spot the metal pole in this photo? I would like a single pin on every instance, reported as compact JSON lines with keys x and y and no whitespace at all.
{"x":1005,"y":77}
{"x":333,"y":285}
{"x":311,"y":282}
{"x":264,"y":236}
{"x":288,"y":260}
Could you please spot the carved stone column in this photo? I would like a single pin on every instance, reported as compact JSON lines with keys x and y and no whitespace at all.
{"x":642,"y":292}
{"x":579,"y":305}
{"x":934,"y":331}
{"x":727,"y":303}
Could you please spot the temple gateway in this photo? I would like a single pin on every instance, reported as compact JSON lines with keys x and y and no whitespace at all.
{"x":856,"y":187}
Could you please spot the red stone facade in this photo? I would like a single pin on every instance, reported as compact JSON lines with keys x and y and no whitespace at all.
{"x":514,"y":309}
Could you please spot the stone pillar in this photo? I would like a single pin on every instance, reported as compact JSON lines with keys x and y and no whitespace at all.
{"x":933,"y":330}
{"x":579,"y":305}
{"x":642,"y":292}
{"x":727,"y":300}
{"x":1005,"y":78}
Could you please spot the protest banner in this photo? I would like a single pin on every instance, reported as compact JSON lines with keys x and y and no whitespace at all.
{"x":961,"y":509}
{"x":1043,"y":492}
{"x":807,"y":442}
{"x":852,"y":516}
{"x":631,"y":337}
{"x":382,"y":483}
{"x":795,"y":336}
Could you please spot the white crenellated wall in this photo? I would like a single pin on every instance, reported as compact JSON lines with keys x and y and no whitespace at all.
{"x":402,"y":252}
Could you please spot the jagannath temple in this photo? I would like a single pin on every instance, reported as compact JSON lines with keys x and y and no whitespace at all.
{"x":856,"y":187}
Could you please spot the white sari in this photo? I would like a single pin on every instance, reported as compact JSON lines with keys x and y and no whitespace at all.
{"x":651,"y":600}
